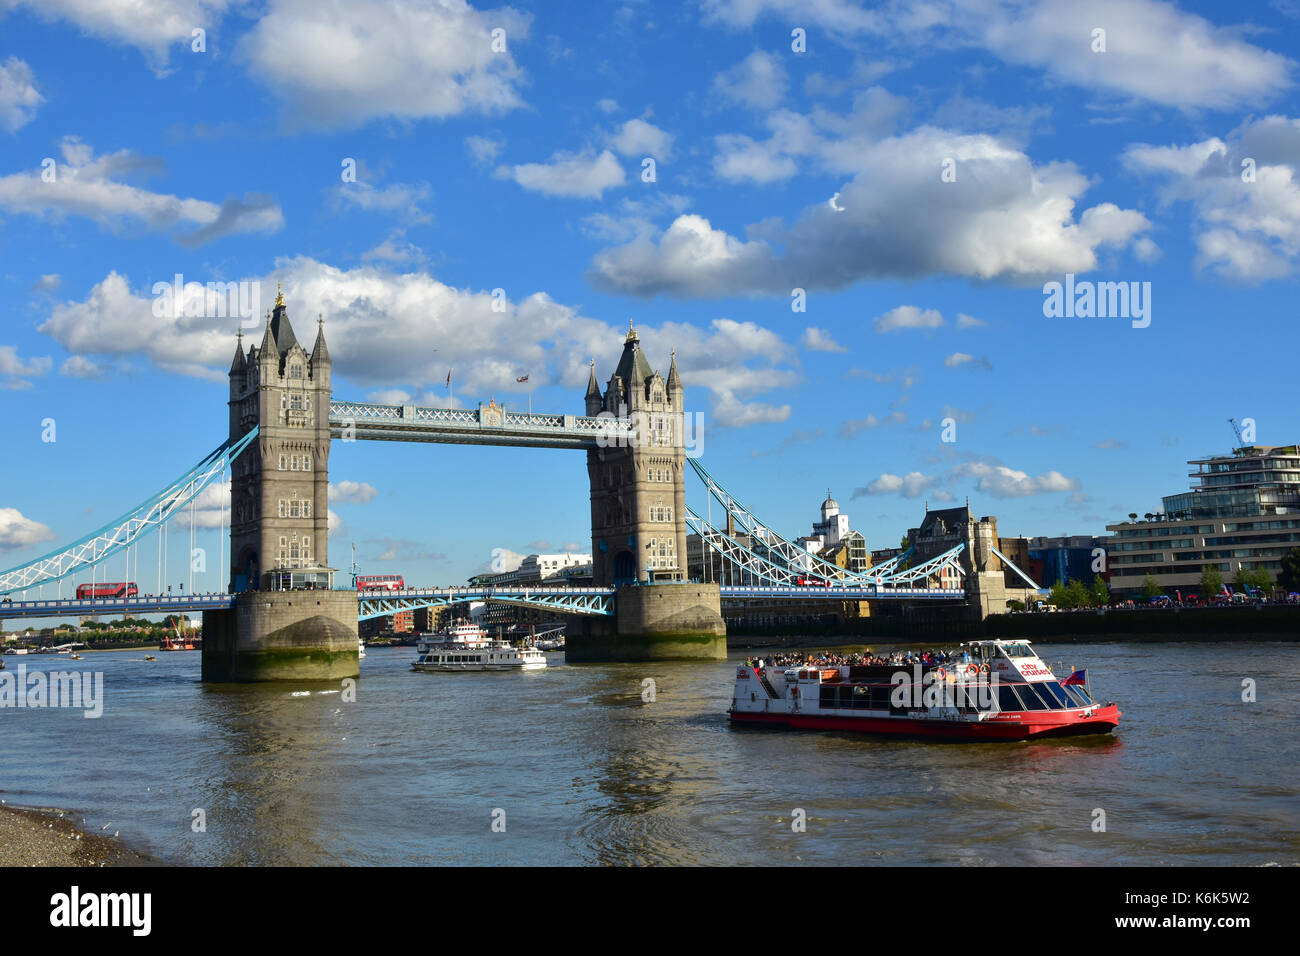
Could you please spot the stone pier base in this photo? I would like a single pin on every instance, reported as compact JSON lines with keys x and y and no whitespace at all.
{"x":282,"y":636}
{"x":654,"y":622}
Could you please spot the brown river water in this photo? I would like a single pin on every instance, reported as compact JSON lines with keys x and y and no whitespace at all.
{"x":571,"y":766}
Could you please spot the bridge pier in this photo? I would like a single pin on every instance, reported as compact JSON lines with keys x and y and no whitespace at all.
{"x":282,"y":636}
{"x":668,"y":621}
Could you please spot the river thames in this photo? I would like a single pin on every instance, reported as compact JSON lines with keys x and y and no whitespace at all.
{"x":418,"y":768}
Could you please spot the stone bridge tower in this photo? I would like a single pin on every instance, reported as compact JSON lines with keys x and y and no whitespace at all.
{"x":287,"y":623}
{"x":279,"y":499}
{"x":638,"y":486}
{"x":638,"y":523}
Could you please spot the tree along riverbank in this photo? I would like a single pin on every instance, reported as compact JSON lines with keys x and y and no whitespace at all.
{"x":1279,"y":622}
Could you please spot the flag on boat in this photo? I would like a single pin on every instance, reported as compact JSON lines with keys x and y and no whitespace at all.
{"x":1078,"y":677}
{"x":522,"y":378}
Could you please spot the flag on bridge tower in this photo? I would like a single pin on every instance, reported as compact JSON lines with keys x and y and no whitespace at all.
{"x":449,"y":378}
{"x":522,"y":378}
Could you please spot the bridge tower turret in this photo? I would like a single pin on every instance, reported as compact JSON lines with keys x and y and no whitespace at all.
{"x":280,"y":485}
{"x":287,"y":623}
{"x":638,"y":523}
{"x":638,"y":483}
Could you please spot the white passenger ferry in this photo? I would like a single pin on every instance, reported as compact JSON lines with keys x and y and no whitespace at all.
{"x":1001,"y":690}
{"x":461,"y":634}
{"x":488,"y":656}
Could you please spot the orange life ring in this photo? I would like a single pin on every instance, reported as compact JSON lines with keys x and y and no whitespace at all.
{"x":984,"y":668}
{"x":940,"y":673}
{"x":972,"y":669}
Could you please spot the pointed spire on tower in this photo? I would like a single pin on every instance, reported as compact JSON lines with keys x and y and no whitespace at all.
{"x":238,"y":365}
{"x":593,"y":387}
{"x":631,"y":333}
{"x":281,"y":330}
{"x":674,"y":378}
{"x":268,"y":340}
{"x":320,"y":354}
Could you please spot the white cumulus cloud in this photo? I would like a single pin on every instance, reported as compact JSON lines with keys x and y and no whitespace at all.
{"x":19,"y":531}
{"x":397,"y":334}
{"x":819,"y":340}
{"x":576,"y":175}
{"x":344,"y":62}
{"x":94,"y":187}
{"x":1004,"y":218}
{"x":638,"y":138}
{"x":351,"y":492}
{"x":19,"y":98}
{"x":1153,"y":50}
{"x":1244,"y":192}
{"x":758,"y":81}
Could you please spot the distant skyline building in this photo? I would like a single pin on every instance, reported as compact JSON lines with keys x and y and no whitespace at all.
{"x":571,"y":569}
{"x":1063,"y":558}
{"x":830,"y":529}
{"x":1241,"y":514}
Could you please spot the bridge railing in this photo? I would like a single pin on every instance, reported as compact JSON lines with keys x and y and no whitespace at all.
{"x":414,"y":416}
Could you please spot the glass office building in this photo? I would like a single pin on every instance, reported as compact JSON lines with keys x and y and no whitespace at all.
{"x":1242,"y":513}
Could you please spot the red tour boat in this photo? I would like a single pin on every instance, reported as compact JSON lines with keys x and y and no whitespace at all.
{"x":995,"y":690}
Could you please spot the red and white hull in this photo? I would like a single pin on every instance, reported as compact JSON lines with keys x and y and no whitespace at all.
{"x":1002,"y":726}
{"x":991,"y":690}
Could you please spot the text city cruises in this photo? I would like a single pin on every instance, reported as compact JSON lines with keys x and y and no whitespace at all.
{"x":1002,"y":690}
{"x":465,"y":647}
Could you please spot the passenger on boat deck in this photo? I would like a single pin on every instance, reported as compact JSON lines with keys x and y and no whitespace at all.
{"x":826,"y":659}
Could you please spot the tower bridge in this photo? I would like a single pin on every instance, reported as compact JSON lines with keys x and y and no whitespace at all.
{"x":282,"y":618}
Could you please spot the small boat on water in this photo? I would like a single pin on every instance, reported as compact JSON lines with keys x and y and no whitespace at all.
{"x":492,"y":656}
{"x":180,"y":643}
{"x":361,"y":648}
{"x":995,"y":690}
{"x":467,"y":647}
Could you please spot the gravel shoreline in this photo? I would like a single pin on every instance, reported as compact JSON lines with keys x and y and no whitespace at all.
{"x":49,"y":837}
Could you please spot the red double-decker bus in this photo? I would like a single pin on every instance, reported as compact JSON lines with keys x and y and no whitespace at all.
{"x":119,"y":589}
{"x":813,"y":582}
{"x":380,"y":582}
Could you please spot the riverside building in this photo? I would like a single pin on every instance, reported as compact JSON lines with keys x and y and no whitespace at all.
{"x":1242,"y":513}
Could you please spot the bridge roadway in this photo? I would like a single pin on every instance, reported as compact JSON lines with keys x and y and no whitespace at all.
{"x":490,"y":425}
{"x":372,"y":604}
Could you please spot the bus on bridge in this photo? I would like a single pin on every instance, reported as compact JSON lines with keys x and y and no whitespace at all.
{"x":120,"y":589}
{"x":380,"y":582}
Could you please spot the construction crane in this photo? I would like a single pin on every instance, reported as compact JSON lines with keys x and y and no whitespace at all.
{"x":1237,"y":431}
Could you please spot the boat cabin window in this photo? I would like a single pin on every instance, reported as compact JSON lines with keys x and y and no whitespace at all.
{"x":1078,"y":695}
{"x":1017,"y":650}
{"x":1053,"y":689}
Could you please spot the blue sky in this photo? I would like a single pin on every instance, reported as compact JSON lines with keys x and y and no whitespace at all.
{"x":1169,"y":157}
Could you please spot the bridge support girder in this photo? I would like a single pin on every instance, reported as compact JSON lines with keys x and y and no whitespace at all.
{"x":668,"y":621}
{"x":282,"y":636}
